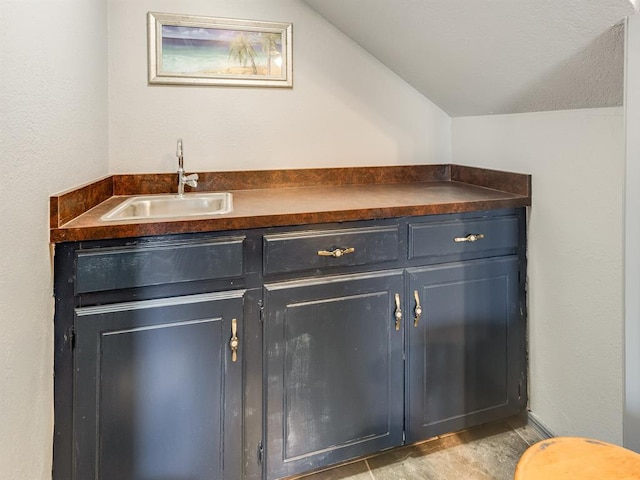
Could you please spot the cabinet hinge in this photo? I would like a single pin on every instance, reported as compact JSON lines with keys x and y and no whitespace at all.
{"x":261,"y":306}
{"x":520,"y":390}
{"x":260,"y":451}
{"x":71,"y":338}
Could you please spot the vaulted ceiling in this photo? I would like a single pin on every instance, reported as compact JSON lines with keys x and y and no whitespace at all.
{"x":479,"y":57}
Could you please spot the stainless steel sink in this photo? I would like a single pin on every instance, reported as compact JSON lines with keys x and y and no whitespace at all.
{"x":170,"y":206}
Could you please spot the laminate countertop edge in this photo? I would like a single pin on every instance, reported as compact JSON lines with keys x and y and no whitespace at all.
{"x":273,"y":198}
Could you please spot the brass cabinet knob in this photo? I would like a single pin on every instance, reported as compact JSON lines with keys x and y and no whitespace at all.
{"x":234,"y":343}
{"x":472,"y":237}
{"x":398,"y":312}
{"x":336,"y":252}
{"x":418,"y":309}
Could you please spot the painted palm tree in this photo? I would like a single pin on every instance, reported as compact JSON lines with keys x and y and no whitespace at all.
{"x":269,"y":45}
{"x":240,"y":49}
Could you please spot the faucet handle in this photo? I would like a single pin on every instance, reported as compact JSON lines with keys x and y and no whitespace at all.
{"x":191,"y":180}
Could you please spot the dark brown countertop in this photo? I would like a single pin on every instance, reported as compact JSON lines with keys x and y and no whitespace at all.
{"x":291,"y":197}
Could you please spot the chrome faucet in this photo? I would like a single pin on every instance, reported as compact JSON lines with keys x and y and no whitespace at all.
{"x":191,"y":180}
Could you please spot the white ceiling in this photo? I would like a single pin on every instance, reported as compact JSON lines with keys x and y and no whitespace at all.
{"x":479,"y":57}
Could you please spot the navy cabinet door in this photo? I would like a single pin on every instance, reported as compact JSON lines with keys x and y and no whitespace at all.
{"x":463,"y":357}
{"x":334,"y":370}
{"x":157,"y":394}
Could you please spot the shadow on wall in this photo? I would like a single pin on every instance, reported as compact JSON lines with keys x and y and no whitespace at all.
{"x":599,"y":87}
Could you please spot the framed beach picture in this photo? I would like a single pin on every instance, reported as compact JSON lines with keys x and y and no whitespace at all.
{"x":196,"y":50}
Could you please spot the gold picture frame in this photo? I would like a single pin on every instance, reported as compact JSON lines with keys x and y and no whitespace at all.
{"x":197,"y":50}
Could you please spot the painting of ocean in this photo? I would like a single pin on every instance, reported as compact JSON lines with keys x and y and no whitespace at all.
{"x":190,"y":55}
{"x":211,"y":51}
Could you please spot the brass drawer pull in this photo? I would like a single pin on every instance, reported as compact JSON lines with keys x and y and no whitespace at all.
{"x":234,"y":343}
{"x":398,"y":312}
{"x":473,"y":237}
{"x":418,"y":309}
{"x":336,"y":252}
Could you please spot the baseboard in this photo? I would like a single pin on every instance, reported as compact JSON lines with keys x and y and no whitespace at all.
{"x":538,"y":426}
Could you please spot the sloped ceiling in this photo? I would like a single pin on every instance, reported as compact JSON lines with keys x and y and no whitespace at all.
{"x":480,"y":57}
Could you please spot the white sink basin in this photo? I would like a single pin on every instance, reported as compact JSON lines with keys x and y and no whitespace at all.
{"x":169,"y":206}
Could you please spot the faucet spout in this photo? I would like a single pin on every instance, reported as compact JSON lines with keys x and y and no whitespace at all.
{"x":179,"y":153}
{"x":191,"y":180}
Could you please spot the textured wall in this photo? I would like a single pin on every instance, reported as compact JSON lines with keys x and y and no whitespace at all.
{"x":632,"y":233}
{"x":575,"y":256}
{"x":53,"y":136}
{"x":346,"y":109}
{"x":490,"y":57}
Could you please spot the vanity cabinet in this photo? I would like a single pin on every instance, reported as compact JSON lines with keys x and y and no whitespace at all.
{"x":352,"y":338}
{"x":426,"y":337}
{"x":156,"y":360}
{"x":334,"y":364}
{"x":462,"y":354}
{"x":158,"y":393}
{"x":465,"y":342}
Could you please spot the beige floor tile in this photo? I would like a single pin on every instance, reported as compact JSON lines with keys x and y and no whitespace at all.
{"x":488,"y":452}
{"x":484,"y":453}
{"x":352,"y":471}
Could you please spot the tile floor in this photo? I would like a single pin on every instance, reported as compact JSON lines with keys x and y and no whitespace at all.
{"x":488,"y":452}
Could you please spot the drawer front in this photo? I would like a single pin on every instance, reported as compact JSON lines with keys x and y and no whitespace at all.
{"x":158,"y":263}
{"x":309,"y":250}
{"x":468,"y":237}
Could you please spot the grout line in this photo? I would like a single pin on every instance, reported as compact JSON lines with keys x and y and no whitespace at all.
{"x":366,"y":462}
{"x":517,"y":432}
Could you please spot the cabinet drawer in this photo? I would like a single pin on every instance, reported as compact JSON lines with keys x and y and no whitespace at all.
{"x":149,"y":264}
{"x":467,"y":237}
{"x":308,"y":250}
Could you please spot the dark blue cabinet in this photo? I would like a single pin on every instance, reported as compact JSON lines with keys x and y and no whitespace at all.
{"x":334,"y":362}
{"x":463,"y":355}
{"x":157,"y":391}
{"x":353,"y":338}
{"x":360,"y":362}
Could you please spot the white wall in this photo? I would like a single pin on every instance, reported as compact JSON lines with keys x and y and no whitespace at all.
{"x":575,"y":256}
{"x":345,"y":109}
{"x":53,"y":104}
{"x":632,"y":233}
